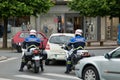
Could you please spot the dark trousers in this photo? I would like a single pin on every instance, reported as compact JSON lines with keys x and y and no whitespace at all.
{"x":70,"y":61}
{"x":68,"y":64}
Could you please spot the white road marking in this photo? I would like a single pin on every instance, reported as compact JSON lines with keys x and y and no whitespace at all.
{"x":61,"y":75}
{"x":8,"y":59}
{"x":4,"y":79}
{"x":32,"y":77}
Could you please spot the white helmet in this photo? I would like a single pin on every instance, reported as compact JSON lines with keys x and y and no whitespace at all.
{"x":33,"y":32}
{"x":79,"y":32}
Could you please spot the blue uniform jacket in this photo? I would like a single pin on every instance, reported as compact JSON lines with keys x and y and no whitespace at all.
{"x":31,"y":40}
{"x":77,"y":41}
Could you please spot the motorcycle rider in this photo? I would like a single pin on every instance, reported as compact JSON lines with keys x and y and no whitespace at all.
{"x":78,"y":43}
{"x":31,"y":40}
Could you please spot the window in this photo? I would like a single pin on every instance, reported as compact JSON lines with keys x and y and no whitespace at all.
{"x":116,"y":54}
{"x":17,"y":21}
{"x":60,"y":39}
{"x":24,"y":35}
{"x":39,"y":36}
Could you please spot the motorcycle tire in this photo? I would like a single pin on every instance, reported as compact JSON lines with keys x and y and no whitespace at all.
{"x":36,"y":68}
{"x":28,"y":67}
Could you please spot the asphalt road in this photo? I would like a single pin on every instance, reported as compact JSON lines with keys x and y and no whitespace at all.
{"x":9,"y":68}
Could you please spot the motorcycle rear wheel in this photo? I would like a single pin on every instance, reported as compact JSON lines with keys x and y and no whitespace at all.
{"x":28,"y":67}
{"x":36,"y":69}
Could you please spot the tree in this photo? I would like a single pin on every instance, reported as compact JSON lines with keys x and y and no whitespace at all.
{"x":18,"y":8}
{"x":96,"y":7}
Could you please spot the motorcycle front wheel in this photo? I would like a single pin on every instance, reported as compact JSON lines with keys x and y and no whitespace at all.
{"x":36,"y":69}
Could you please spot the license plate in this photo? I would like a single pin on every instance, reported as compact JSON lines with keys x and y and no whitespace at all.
{"x":36,"y":58}
{"x":57,"y":55}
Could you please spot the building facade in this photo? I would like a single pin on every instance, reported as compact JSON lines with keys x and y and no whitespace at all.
{"x":94,"y":28}
{"x":100,"y":28}
{"x":61,"y":19}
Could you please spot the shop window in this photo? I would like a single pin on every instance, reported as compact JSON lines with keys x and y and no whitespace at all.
{"x":69,"y":25}
{"x":17,"y":21}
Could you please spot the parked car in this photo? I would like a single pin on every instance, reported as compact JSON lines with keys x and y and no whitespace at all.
{"x":105,"y":67}
{"x":54,"y":44}
{"x":18,"y":38}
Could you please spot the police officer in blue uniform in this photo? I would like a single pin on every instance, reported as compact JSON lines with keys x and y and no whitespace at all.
{"x":78,"y":43}
{"x":31,"y":40}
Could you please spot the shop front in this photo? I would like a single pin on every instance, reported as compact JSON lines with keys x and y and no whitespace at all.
{"x":91,"y":30}
{"x":100,"y":28}
{"x":111,"y":28}
{"x":73,"y":21}
{"x":60,"y":22}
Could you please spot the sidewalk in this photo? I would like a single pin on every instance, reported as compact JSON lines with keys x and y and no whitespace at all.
{"x":106,"y":45}
{"x":8,"y":44}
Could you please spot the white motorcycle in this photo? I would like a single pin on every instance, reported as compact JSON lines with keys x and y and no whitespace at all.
{"x":79,"y":55}
{"x":34,"y":58}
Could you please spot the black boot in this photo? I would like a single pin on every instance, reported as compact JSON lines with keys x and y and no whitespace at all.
{"x":21,"y":70}
{"x":67,"y":72}
{"x":68,"y":68}
{"x":21,"y":67}
{"x":41,"y":65}
{"x":42,"y":69}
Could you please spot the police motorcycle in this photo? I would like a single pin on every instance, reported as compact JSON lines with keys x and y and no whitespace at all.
{"x":75,"y":57}
{"x":35,"y":56}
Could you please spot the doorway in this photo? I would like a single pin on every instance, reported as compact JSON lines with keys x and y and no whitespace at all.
{"x":78,"y":23}
{"x":73,"y":23}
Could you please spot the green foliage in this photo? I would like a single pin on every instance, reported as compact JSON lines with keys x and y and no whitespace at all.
{"x":24,"y":7}
{"x":115,"y":8}
{"x":96,"y":7}
{"x":19,"y":8}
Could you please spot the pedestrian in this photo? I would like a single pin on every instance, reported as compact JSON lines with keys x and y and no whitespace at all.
{"x":29,"y":26}
{"x":60,"y":28}
{"x":24,"y":27}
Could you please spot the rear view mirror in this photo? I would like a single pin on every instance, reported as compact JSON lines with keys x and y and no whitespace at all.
{"x":107,"y":56}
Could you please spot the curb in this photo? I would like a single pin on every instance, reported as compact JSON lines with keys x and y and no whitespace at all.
{"x":100,"y":47}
